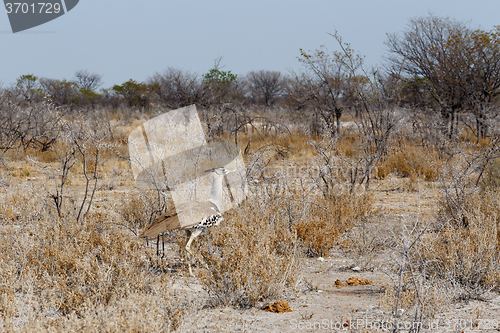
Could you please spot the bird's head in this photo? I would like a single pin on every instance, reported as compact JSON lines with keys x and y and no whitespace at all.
{"x":221,"y":171}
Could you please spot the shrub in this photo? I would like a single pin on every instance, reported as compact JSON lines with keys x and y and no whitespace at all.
{"x":409,"y":162}
{"x":328,"y":219}
{"x":251,"y":256}
{"x":36,"y":125}
{"x":467,"y":254}
{"x":140,"y":208}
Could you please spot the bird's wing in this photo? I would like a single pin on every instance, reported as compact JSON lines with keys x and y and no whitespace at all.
{"x":182,"y":216}
{"x":167,"y":221}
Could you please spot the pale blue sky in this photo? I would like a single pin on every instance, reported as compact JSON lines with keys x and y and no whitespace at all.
{"x":124,"y":39}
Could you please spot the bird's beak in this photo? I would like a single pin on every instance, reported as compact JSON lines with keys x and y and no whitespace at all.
{"x":226,"y":171}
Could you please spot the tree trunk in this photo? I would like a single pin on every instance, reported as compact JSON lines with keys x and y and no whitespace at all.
{"x":482,"y":122}
{"x":453,"y":121}
{"x":478,"y":127}
{"x":338,"y":114}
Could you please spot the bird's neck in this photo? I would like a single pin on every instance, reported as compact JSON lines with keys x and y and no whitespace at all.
{"x":216,"y":192}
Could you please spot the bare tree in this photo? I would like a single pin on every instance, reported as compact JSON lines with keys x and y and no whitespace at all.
{"x":176,"y":88}
{"x":265,"y":86}
{"x":88,"y":81}
{"x":461,"y":65}
{"x":482,"y":58}
{"x":333,"y":80}
{"x":81,"y":146}
{"x":378,"y":116}
{"x":36,"y":125}
{"x":299,"y":93}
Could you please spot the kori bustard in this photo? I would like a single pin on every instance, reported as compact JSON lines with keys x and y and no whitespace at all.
{"x":201,"y":215}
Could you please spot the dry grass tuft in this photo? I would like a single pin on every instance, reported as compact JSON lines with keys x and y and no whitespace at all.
{"x":138,"y":208}
{"x":329,"y":218}
{"x":347,"y":145}
{"x":137,"y":313}
{"x":410,"y":161}
{"x":491,"y":177}
{"x":252,"y":256}
{"x":468,"y":253}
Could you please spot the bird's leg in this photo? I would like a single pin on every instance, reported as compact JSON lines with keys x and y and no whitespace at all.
{"x":190,"y":254}
{"x":158,"y":245}
{"x":162,"y":245}
{"x":192,"y":235}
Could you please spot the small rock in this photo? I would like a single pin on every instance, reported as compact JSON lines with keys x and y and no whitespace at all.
{"x":321,"y":259}
{"x":356,"y":269}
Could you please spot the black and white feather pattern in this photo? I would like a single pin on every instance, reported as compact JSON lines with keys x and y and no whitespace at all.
{"x":208,"y":222}
{"x":195,"y":215}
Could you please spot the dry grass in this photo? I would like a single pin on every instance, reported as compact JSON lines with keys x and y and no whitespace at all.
{"x":410,"y":161}
{"x":139,"y":207}
{"x":137,"y":313}
{"x":67,"y":269}
{"x":347,"y":145}
{"x":57,"y":274}
{"x":292,"y":146}
{"x":329,"y":218}
{"x":251,"y":257}
{"x":454,"y":257}
{"x":445,"y":266}
{"x":468,"y":254}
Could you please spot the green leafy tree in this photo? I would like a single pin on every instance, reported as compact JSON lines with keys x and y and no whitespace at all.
{"x":89,"y":97}
{"x":28,"y":88}
{"x":220,"y":77}
{"x":220,"y":86}
{"x":135,"y":94}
